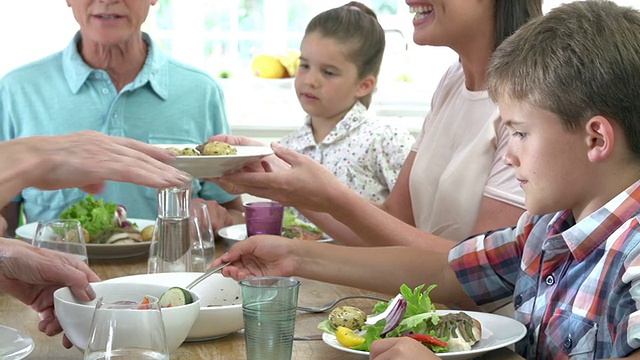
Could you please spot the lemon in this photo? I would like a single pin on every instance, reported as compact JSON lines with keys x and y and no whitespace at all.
{"x":291,"y":61}
{"x":267,"y":66}
{"x":348,"y":337}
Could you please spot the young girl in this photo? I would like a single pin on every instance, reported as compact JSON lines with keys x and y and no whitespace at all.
{"x":341,"y":53}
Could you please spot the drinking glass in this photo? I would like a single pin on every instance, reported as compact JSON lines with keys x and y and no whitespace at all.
{"x":124,"y":328}
{"x":63,"y":235}
{"x":269,"y":312}
{"x":203,"y":242}
{"x":264,"y":218}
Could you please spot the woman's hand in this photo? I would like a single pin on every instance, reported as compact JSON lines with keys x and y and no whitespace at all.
{"x":32,"y":275}
{"x":236,"y":140}
{"x":305,"y":184}
{"x":400,"y":348}
{"x":261,"y":255}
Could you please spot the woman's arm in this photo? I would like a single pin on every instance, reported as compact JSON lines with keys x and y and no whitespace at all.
{"x":309,"y":185}
{"x":381,"y":269}
{"x":398,"y":204}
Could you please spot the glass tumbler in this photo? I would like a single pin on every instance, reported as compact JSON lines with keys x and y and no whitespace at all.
{"x":125,"y":328}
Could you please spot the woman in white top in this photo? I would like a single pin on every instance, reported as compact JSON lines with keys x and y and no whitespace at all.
{"x":453,"y":184}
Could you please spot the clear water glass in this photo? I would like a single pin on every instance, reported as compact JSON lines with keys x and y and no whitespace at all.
{"x":63,"y":235}
{"x":124,"y":328}
{"x":269,"y":313}
{"x":203,"y":248}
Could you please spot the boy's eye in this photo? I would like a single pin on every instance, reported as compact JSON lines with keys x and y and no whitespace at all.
{"x":519,"y":134}
{"x":329,"y":73}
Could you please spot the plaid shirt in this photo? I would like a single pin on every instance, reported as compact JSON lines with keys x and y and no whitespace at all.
{"x":575,"y":286}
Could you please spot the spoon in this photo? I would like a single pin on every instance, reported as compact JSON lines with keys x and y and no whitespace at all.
{"x":206,"y":275}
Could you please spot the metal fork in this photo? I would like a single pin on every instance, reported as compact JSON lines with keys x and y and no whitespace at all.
{"x":329,"y":306}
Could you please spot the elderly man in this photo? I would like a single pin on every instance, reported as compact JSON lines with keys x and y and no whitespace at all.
{"x":114,"y":79}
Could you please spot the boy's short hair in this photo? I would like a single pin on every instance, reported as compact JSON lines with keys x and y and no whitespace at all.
{"x":580,"y":60}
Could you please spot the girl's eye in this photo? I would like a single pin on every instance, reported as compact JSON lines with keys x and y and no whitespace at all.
{"x":329,"y":73}
{"x":519,"y":134}
{"x":303,"y":65}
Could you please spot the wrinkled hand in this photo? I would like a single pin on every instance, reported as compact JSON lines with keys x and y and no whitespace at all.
{"x":32,"y":275}
{"x":261,"y":255}
{"x":306,"y":184}
{"x":218,"y":214}
{"x":87,"y":159}
{"x":400,"y":348}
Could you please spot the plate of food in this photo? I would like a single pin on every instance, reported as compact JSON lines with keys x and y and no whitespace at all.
{"x":215,"y":158}
{"x":451,"y":334}
{"x":109,"y":234}
{"x":14,"y":344}
{"x":292,"y":227}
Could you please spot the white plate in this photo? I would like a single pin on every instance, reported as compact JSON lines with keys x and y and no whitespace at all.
{"x":216,"y":165}
{"x":238,"y":232}
{"x":497,"y":332}
{"x":101,"y":251}
{"x":14,"y":345}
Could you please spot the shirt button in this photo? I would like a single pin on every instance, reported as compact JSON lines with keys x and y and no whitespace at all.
{"x":105,"y":91}
{"x":518,"y":300}
{"x":568,"y":343}
{"x":115,"y":115}
{"x":97,"y":76}
{"x":550,"y":280}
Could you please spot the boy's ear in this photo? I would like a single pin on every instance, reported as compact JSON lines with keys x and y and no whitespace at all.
{"x":600,"y":138}
{"x":366,"y":86}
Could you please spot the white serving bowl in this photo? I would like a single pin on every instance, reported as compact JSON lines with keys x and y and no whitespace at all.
{"x":75,"y":316}
{"x":220,"y":301}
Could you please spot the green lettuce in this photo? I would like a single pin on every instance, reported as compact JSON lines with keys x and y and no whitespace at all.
{"x":420,"y":310}
{"x":94,"y":215}
{"x":290,"y":219}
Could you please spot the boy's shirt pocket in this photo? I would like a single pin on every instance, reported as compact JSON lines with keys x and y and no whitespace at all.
{"x":570,"y":336}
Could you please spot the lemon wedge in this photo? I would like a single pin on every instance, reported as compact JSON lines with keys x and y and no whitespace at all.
{"x":347,"y":337}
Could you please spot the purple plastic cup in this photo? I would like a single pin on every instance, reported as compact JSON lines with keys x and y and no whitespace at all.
{"x":263,"y":218}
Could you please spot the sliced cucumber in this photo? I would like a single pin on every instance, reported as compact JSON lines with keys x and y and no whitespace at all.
{"x":175,"y":296}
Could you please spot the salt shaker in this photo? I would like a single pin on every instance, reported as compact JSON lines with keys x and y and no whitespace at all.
{"x":171,"y":241}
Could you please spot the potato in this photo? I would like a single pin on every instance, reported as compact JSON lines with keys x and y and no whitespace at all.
{"x":147,"y":233}
{"x":347,"y":316}
{"x":218,"y":148}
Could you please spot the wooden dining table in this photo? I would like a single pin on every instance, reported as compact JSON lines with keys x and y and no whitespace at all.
{"x":19,"y":316}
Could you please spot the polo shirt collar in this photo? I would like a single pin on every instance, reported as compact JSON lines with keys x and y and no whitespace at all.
{"x":154,"y":72}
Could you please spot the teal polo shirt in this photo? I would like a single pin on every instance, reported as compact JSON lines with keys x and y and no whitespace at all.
{"x":167,"y":103}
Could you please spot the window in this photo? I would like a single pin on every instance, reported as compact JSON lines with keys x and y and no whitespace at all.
{"x":223,"y":36}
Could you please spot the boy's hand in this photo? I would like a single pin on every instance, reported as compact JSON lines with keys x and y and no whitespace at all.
{"x":400,"y":348}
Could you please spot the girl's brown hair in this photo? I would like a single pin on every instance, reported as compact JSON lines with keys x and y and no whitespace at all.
{"x":356,"y":27}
